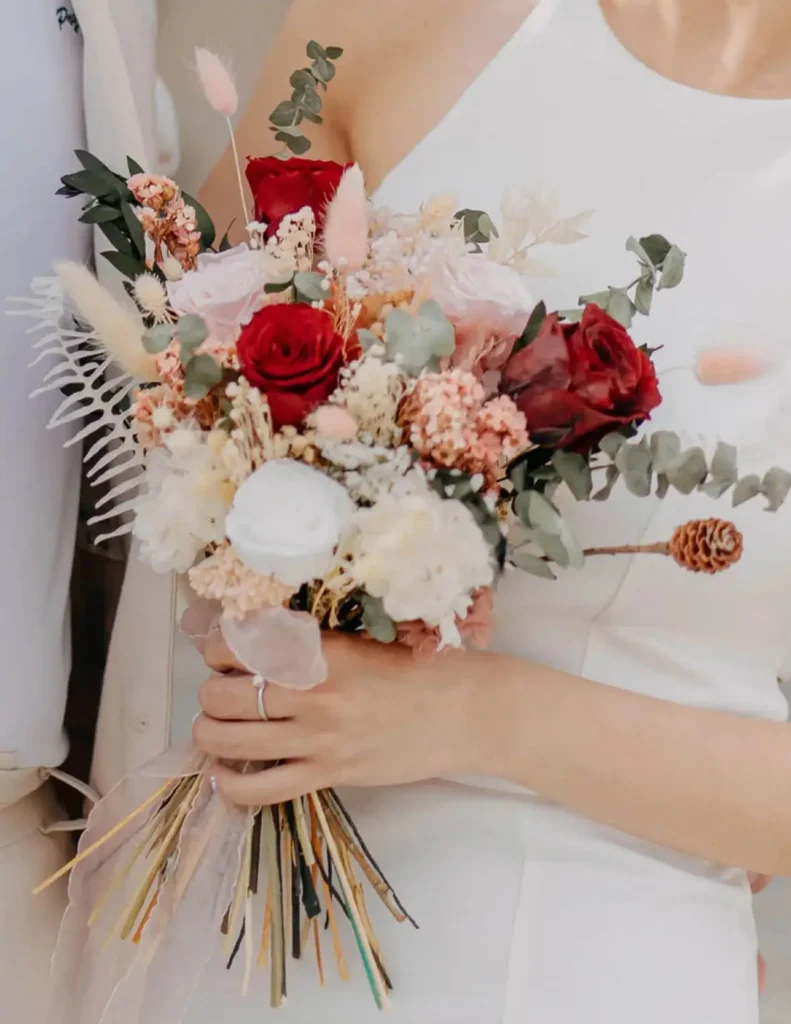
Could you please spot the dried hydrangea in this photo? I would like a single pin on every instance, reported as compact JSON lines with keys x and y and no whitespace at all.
{"x":224,"y":577}
{"x":369,"y":472}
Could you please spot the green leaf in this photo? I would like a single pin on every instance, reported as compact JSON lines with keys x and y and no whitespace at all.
{"x":134,"y":166}
{"x":135,"y":229}
{"x":274,"y":287}
{"x":553,"y":547}
{"x":323,"y":70}
{"x":575,"y":472}
{"x":611,"y":478}
{"x":571,"y":316}
{"x":486,"y":227}
{"x":644,"y":296}
{"x":620,"y":307}
{"x":116,"y":236}
{"x":656,"y":248}
{"x":672,"y":268}
{"x":284,"y":114}
{"x":724,"y":463}
{"x":225,"y":244}
{"x":471,"y":221}
{"x":418,"y":341}
{"x":377,"y":622}
{"x":600,"y":299}
{"x":633,"y":245}
{"x":688,"y":470}
{"x":611,"y":444}
{"x":92,"y":183}
{"x":746,"y":489}
{"x":205,"y":223}
{"x":533,"y":326}
{"x":665,"y":447}
{"x":315,"y":50}
{"x":100,"y":214}
{"x":776,"y":486}
{"x":125,"y":264}
{"x":634,"y":462}
{"x":191,"y":331}
{"x":311,"y":287}
{"x":310,"y":116}
{"x":367,"y":339}
{"x":334,"y":52}
{"x":93,"y":163}
{"x":662,"y":485}
{"x":201,"y":374}
{"x":290,"y":130}
{"x":302,"y":79}
{"x":532,"y":563}
{"x":310,"y":101}
{"x":298,"y":146}
{"x":156,"y":339}
{"x":537,"y":513}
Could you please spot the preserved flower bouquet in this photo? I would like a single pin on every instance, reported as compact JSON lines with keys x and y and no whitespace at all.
{"x":356,"y":420}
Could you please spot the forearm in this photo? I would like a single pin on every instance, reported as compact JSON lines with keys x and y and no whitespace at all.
{"x":705,"y":783}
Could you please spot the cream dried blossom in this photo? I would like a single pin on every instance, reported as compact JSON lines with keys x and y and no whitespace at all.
{"x":423,"y":557}
{"x":371,"y":390}
{"x":369,"y":472}
{"x":184,"y":504}
{"x":225,"y":578}
{"x":531,"y":219}
{"x":291,"y":249}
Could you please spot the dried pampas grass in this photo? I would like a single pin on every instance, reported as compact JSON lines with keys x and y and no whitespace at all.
{"x":119,"y":329}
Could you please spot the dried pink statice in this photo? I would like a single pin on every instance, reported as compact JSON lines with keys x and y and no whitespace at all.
{"x":223,"y":577}
{"x":475,"y":628}
{"x":451,"y":424}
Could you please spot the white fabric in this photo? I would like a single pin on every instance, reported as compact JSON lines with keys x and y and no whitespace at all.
{"x":530,"y":914}
{"x":41,"y":125}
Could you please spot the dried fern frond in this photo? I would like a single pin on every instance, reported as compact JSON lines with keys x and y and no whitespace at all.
{"x":95,"y":392}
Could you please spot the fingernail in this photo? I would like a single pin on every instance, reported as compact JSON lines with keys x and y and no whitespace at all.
{"x":213,"y":783}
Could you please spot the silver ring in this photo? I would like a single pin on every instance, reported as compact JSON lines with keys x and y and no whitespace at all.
{"x":260,"y":684}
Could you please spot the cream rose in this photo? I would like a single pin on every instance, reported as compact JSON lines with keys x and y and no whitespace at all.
{"x":286,"y":521}
{"x":225,"y":288}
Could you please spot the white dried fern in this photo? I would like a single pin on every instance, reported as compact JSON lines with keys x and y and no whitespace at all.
{"x":94,"y":392}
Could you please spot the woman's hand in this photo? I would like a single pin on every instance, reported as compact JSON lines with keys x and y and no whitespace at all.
{"x":382,"y":718}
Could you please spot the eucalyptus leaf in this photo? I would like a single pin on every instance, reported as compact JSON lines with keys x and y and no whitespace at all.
{"x":201,"y":374}
{"x":599,"y":299}
{"x":553,"y":547}
{"x":537,"y":513}
{"x":298,"y":146}
{"x":156,"y":339}
{"x":315,"y":50}
{"x":191,"y":331}
{"x":746,"y":489}
{"x":290,"y":131}
{"x":611,"y":477}
{"x":274,"y":287}
{"x":665,"y":448}
{"x":125,"y":264}
{"x":301,"y":79}
{"x":323,"y":70}
{"x":100,"y":214}
{"x":633,"y":245}
{"x":284,"y":114}
{"x":644,"y":296}
{"x":611,"y":444}
{"x":533,"y":564}
{"x":418,"y":341}
{"x":334,"y":52}
{"x":656,"y":247}
{"x":533,"y":326}
{"x":376,"y":620}
{"x":776,"y":486}
{"x":310,"y":286}
{"x":310,"y":116}
{"x":662,"y":485}
{"x":575,"y":472}
{"x":724,"y":464}
{"x":135,"y":229}
{"x":620,"y":307}
{"x":471,"y":221}
{"x":486,"y":227}
{"x":672,"y":268}
{"x":634,"y":462}
{"x":367,"y":339}
{"x":688,"y":470}
{"x":310,"y":100}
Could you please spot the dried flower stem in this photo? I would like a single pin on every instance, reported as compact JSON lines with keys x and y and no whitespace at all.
{"x":238,"y":165}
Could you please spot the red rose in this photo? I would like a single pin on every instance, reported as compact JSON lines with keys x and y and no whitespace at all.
{"x":577,"y":382}
{"x":281,"y":187}
{"x":293,"y":354}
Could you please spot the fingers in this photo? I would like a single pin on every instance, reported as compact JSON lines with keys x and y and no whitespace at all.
{"x":271,"y":786}
{"x":218,"y":655}
{"x":235,"y":699}
{"x":249,"y":741}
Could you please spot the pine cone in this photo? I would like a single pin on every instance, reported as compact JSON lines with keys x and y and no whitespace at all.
{"x":706,"y":545}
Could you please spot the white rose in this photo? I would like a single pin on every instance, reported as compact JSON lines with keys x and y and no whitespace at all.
{"x":286,"y":521}
{"x":225,"y":288}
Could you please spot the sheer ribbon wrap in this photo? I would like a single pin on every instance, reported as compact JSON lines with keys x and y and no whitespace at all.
{"x":151,"y":976}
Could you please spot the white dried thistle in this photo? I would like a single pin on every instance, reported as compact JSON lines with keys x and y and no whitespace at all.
{"x":152,"y":298}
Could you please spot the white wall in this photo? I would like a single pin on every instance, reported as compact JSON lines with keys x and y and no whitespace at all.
{"x":242,"y":32}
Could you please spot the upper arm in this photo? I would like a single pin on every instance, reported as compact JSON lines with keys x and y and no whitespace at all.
{"x":330,"y":24}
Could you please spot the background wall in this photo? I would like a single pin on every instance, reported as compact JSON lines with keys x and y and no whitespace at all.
{"x":240,"y":31}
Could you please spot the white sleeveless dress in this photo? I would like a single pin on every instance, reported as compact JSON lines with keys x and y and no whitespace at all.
{"x":530,"y":914}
